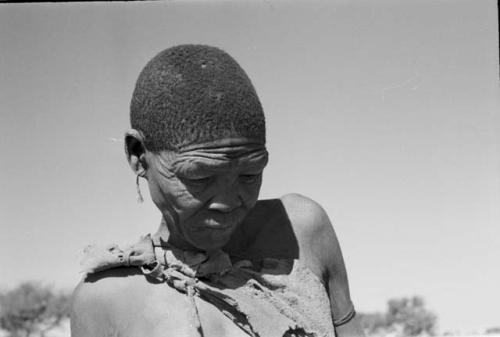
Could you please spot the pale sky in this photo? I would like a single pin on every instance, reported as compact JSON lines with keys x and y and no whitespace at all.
{"x":386,"y":113}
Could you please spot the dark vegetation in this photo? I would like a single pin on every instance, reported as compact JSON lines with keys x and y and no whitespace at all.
{"x":405,"y":316}
{"x":32,"y":309}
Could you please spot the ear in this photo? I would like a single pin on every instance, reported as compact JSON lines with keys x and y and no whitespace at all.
{"x":135,"y":151}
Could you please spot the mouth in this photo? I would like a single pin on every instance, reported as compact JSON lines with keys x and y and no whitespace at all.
{"x":215,"y":225}
{"x":220,"y":221}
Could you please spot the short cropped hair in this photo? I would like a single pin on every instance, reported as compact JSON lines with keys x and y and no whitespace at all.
{"x":191,"y":94}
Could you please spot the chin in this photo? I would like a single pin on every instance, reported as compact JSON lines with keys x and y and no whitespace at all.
{"x":210,"y":246}
{"x":211,"y":239}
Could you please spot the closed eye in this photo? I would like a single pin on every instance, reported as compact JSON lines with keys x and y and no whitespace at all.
{"x":198,"y":182}
{"x":249,"y":178}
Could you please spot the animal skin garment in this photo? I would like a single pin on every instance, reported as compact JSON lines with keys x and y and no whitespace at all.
{"x":278,"y":298}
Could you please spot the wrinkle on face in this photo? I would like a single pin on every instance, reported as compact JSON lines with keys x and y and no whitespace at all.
{"x":174,"y":181}
{"x":212,"y":161}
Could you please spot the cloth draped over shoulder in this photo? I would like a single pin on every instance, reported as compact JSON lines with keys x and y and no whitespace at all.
{"x":282,"y":299}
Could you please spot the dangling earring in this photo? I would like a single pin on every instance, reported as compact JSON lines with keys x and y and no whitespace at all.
{"x":140,"y":199}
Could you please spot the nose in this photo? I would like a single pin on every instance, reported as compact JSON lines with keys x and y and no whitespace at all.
{"x":226,"y":200}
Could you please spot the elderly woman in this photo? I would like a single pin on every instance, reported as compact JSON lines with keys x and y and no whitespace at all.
{"x":222,"y":263}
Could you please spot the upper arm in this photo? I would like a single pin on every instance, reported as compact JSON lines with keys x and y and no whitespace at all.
{"x":89,"y":316}
{"x":320,"y":248}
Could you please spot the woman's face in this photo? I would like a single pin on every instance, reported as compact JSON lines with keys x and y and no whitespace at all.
{"x":205,"y":191}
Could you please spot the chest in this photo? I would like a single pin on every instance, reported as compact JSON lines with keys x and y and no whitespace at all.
{"x":166,"y":312}
{"x":163,"y":311}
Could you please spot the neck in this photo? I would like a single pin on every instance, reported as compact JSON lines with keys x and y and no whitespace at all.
{"x":167,"y":233}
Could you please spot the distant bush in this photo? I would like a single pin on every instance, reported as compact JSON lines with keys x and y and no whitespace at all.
{"x":493,"y":331}
{"x":404,"y":317}
{"x":373,"y":323}
{"x":31,"y":308}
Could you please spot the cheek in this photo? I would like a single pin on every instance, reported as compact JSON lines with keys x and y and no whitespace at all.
{"x":171,"y":197}
{"x":250,"y":193}
{"x":185,"y":204}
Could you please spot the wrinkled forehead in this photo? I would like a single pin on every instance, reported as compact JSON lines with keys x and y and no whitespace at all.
{"x":220,"y":155}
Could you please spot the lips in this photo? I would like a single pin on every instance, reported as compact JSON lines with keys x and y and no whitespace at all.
{"x":214,"y":224}
{"x":219,"y":221}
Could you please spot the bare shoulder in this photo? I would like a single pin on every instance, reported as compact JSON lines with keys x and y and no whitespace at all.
{"x":315,"y":234}
{"x":98,"y":296}
{"x":107,"y":287}
{"x":107,"y":302}
{"x":306,"y":216}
